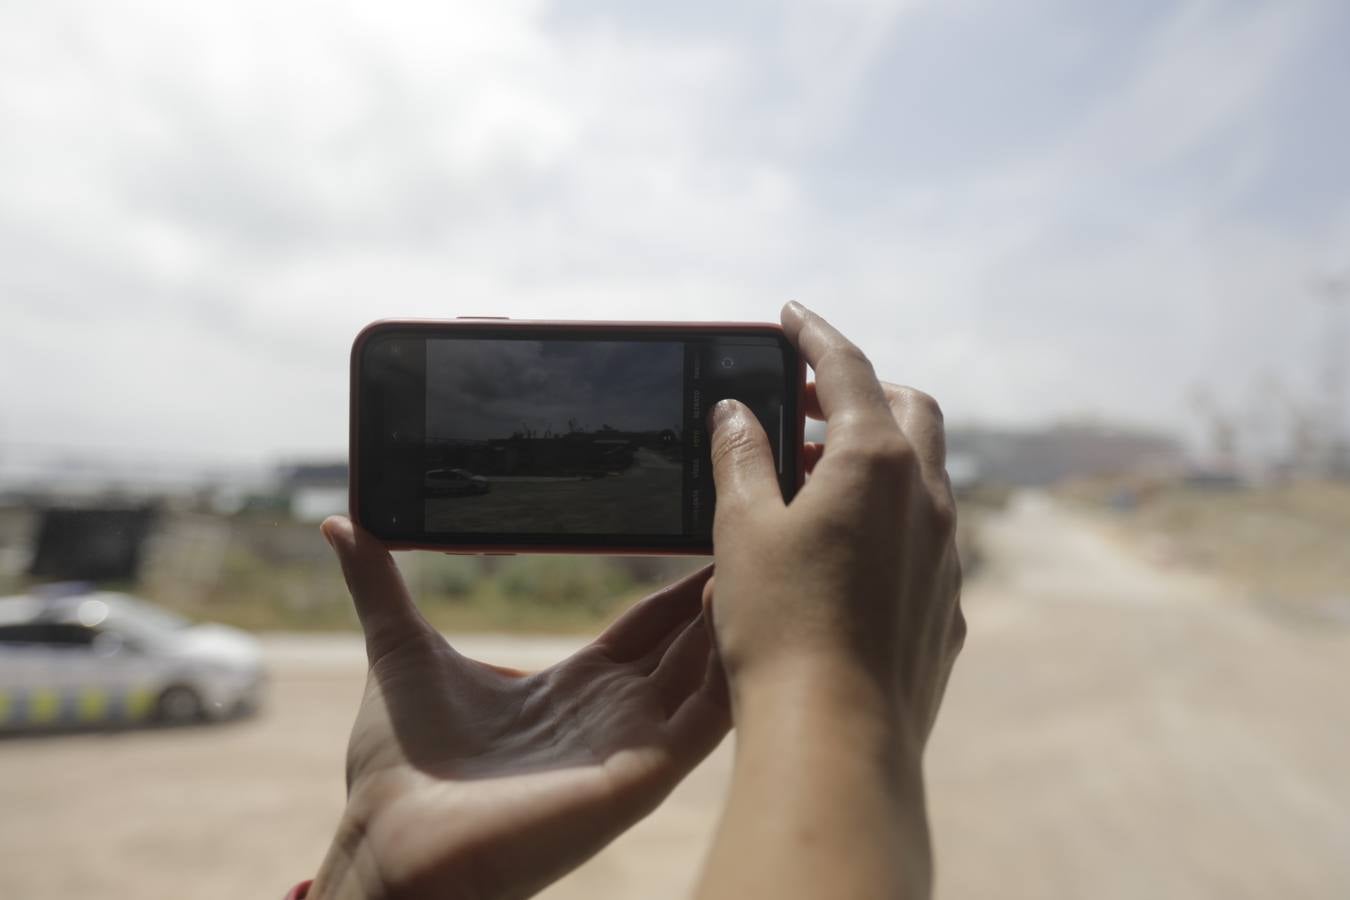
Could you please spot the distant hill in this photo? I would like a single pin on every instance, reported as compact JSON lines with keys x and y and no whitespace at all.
{"x":1045,"y":456}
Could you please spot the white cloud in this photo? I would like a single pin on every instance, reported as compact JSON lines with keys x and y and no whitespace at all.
{"x":200,"y":206}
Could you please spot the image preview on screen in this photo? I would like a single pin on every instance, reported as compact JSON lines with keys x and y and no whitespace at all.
{"x":555,"y":437}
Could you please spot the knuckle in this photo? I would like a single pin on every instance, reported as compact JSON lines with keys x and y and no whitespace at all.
{"x":888,"y":455}
{"x":923,"y":402}
{"x":942,"y":518}
{"x":893,"y":453}
{"x":959,"y":630}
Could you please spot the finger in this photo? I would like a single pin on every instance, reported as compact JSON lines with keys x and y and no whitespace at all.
{"x":920,"y":418}
{"x":811,"y":405}
{"x":846,"y":387}
{"x":649,"y":663}
{"x":388,"y":616}
{"x":700,"y":722}
{"x":811,"y":454}
{"x":715,"y":677}
{"x":635,"y":633}
{"x":684,"y":664}
{"x":742,"y":460}
{"x":956,"y":640}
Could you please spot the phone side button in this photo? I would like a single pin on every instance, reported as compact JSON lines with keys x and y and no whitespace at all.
{"x":497,"y":318}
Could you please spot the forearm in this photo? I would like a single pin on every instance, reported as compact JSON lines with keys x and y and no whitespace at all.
{"x":826,"y":798}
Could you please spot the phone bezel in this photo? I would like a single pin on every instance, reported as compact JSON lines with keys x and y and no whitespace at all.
{"x":643,"y":545}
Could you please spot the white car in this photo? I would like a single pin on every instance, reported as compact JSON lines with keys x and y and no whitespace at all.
{"x":103,"y":658}
{"x":454,"y":483}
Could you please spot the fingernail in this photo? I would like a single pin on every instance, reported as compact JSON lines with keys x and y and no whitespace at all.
{"x":327,"y":531}
{"x":722,"y":411}
{"x":797,"y":309}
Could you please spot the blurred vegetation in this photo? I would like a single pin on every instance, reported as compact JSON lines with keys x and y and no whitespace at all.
{"x":265,"y":572}
{"x":1286,"y":545}
{"x":533,"y":593}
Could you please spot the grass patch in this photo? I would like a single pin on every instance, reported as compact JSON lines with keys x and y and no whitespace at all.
{"x":1286,"y":545}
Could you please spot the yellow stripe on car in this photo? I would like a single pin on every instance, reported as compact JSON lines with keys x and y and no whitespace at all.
{"x":43,"y":706}
{"x":138,"y":703}
{"x":6,"y":706}
{"x":91,"y":705}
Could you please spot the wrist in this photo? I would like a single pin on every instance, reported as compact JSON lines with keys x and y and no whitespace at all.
{"x":819,"y":688}
{"x":828,"y":746}
{"x":790,"y":705}
{"x":347,"y":871}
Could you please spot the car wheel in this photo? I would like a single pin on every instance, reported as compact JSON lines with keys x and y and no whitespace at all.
{"x":178,"y":705}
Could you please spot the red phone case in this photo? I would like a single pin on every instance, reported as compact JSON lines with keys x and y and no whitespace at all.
{"x":475,"y":323}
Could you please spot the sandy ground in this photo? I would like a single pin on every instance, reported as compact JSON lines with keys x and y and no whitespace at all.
{"x":1113,"y":730}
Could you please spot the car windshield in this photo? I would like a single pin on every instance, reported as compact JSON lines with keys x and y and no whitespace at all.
{"x":145,"y":622}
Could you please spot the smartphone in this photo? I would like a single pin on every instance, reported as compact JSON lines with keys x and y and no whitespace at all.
{"x":500,"y":436}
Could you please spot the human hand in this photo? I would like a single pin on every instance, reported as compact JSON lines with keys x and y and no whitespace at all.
{"x":470,"y":780}
{"x":857,"y":578}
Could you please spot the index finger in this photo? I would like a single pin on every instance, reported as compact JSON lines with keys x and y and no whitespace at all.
{"x":642,"y":627}
{"x":846,"y":385}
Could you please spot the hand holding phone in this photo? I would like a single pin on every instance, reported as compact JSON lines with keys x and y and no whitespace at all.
{"x":838,"y":621}
{"x":471,"y":779}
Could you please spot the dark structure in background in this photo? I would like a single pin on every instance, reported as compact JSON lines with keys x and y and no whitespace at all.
{"x":100,"y":544}
{"x":300,"y":476}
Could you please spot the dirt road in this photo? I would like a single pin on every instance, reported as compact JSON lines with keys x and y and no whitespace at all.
{"x":1114,"y":730}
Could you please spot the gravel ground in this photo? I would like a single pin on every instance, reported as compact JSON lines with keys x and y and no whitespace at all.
{"x":1115,"y":730}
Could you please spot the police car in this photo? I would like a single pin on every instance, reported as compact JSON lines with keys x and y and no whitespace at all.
{"x":98,"y":658}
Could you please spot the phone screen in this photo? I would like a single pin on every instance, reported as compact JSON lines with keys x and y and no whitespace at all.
{"x":556,"y":436}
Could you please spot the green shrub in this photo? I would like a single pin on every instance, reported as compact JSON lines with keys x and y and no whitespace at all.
{"x":571,"y":583}
{"x":453,"y":578}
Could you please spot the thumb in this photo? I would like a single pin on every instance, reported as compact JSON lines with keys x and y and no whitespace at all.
{"x":388,"y":616}
{"x":742,"y":460}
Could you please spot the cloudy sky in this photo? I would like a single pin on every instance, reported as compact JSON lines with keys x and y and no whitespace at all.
{"x":478,"y":390}
{"x":1034,"y":210}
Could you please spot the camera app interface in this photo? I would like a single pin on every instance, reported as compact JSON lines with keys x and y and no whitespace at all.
{"x":585,"y":437}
